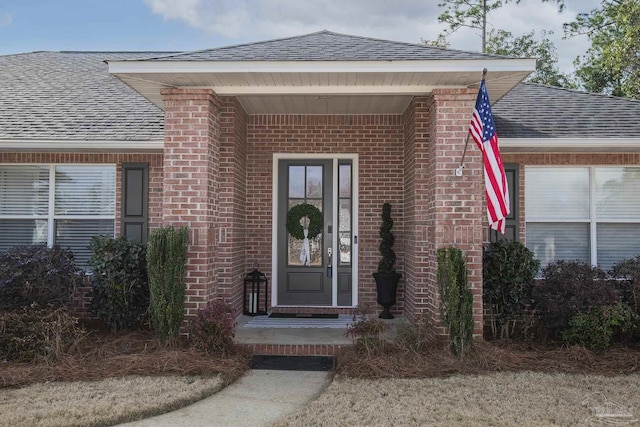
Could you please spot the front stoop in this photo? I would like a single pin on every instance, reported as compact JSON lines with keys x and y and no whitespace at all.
{"x":290,"y":341}
{"x":297,"y":341}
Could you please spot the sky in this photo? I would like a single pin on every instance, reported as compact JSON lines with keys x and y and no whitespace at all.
{"x":185,"y":25}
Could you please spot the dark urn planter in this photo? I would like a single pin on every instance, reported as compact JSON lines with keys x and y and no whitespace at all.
{"x":386,"y":285}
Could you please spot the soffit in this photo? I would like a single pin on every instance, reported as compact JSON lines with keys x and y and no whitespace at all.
{"x":322,"y":87}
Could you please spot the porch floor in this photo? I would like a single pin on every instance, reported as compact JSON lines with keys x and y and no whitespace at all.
{"x":296,"y":337}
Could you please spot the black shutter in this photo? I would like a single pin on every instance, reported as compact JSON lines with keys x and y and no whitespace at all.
{"x":135,"y":201}
{"x":511,"y":229}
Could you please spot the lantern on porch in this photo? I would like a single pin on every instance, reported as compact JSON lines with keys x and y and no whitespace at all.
{"x":256,"y":292}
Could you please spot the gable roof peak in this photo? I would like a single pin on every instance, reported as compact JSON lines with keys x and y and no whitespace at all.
{"x":325,"y":45}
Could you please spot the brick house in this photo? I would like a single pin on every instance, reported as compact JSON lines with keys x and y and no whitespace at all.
{"x":227,"y":140}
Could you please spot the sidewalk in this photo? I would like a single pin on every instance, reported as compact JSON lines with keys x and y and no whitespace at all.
{"x":257,"y":399}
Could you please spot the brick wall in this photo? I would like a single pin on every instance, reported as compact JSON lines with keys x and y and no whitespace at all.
{"x":454,"y":214}
{"x":377,"y":139}
{"x":232,"y":201}
{"x":81,"y":304}
{"x":191,"y":184}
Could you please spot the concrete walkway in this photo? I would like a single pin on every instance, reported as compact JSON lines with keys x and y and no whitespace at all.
{"x":257,"y":399}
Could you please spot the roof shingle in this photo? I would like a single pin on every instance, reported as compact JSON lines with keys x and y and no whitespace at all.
{"x":72,"y":96}
{"x":539,"y":111}
{"x":325,"y":46}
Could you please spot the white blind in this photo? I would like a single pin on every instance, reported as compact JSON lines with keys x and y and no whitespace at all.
{"x":557,"y":194}
{"x":24,"y":190}
{"x":555,"y":241}
{"x":76,"y":235}
{"x":85,"y":190}
{"x":617,"y":194}
{"x":20,"y":232}
{"x":617,"y":242}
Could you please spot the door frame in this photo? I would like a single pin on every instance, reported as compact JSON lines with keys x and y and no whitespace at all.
{"x":354,"y":222}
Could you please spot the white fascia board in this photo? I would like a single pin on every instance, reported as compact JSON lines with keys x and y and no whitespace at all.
{"x":569,"y":144}
{"x":424,"y":66}
{"x":53,"y":145}
{"x":325,"y":90}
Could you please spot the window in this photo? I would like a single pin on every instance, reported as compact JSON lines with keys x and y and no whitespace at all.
{"x":61,"y":205}
{"x":591,"y":214}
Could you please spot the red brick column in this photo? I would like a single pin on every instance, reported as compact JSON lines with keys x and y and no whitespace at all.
{"x":190,"y":185}
{"x":447,"y":210}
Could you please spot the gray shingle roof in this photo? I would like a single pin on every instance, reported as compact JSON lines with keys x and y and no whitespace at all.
{"x":325,"y":46}
{"x":72,"y":96}
{"x":538,"y":111}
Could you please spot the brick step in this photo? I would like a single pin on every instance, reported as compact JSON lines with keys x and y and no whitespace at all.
{"x":293,"y":349}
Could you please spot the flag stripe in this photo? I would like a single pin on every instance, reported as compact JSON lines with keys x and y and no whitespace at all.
{"x":483,"y":132}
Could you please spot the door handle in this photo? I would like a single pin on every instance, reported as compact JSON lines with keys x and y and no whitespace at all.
{"x":329,"y":267}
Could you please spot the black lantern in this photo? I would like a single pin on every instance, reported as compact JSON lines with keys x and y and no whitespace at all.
{"x":256,"y":293}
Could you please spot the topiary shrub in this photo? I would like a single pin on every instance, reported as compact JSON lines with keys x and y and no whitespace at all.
{"x":120,"y":292}
{"x":166,"y":265}
{"x":569,"y":288}
{"x":31,"y":335}
{"x":627,"y":276}
{"x":37,"y":275}
{"x":508,"y":270}
{"x":601,"y":326}
{"x":456,"y":299}
{"x":213,"y":328}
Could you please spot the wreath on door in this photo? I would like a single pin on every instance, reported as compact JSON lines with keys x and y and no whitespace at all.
{"x":298,"y":212}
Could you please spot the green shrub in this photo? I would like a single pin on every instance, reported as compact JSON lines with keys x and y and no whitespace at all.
{"x":569,"y":288}
{"x":166,"y":265}
{"x":37,"y":275}
{"x":120,"y":293}
{"x":456,"y":299}
{"x":627,"y":276}
{"x":31,"y":335}
{"x":508,"y":269}
{"x":601,"y":326}
{"x":213,"y":329}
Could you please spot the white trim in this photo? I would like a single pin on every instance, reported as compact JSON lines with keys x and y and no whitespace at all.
{"x":274,"y":223}
{"x":326,"y":90}
{"x":57,"y":145}
{"x":421,"y":66}
{"x":509,"y":145}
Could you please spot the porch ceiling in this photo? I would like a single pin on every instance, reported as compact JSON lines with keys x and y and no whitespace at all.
{"x":322,"y":87}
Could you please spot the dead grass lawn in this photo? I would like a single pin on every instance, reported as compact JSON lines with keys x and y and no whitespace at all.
{"x":497,"y":399}
{"x":100,"y":403}
{"x":110,"y":379}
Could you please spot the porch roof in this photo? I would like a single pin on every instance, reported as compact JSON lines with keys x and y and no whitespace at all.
{"x":322,"y":73}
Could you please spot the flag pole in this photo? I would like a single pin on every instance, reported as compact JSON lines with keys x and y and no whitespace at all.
{"x":466,"y":142}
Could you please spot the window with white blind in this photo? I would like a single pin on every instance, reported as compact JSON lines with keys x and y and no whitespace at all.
{"x":62,"y":205}
{"x":591,"y":214}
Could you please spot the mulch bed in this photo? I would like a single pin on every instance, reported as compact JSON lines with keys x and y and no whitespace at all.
{"x":103,"y":355}
{"x":486,"y":357}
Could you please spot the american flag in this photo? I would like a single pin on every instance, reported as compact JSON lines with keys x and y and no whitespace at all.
{"x":483,"y":132}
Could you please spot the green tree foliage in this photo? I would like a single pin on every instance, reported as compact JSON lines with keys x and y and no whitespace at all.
{"x":612,"y":63}
{"x":501,"y":42}
{"x":456,"y":299}
{"x":166,"y":264}
{"x":473,"y":14}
